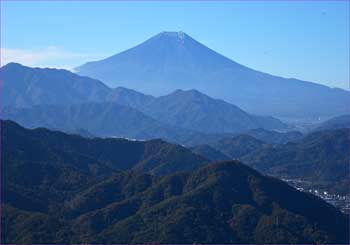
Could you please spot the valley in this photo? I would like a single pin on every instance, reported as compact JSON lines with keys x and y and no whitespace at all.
{"x":339,"y":201}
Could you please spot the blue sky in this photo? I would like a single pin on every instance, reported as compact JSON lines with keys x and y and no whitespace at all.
{"x":306,"y":40}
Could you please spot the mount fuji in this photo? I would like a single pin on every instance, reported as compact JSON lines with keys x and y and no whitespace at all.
{"x":174,"y":60}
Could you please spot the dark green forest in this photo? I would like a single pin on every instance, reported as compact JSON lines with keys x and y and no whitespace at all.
{"x":60,"y":188}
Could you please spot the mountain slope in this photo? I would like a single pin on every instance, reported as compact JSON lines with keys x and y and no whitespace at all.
{"x":335,"y":123}
{"x":25,"y":87}
{"x":196,"y":111}
{"x":129,"y":97}
{"x":223,"y":203}
{"x":61,"y":188}
{"x":174,"y":60}
{"x":161,"y":58}
{"x":274,"y":137}
{"x":233,"y":146}
{"x":104,"y":120}
{"x":155,"y":156}
{"x":209,"y":152}
{"x":319,"y":157}
{"x":100,"y":119}
{"x":228,"y":203}
{"x":238,"y":146}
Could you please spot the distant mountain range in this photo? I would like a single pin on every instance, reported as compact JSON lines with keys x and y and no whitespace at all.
{"x":25,"y":86}
{"x":196,"y":111}
{"x":154,"y":156}
{"x":274,"y":137}
{"x":210,"y":153}
{"x":334,"y":123}
{"x":234,"y":146}
{"x":238,"y":146}
{"x":99,"y":119}
{"x":174,"y":60}
{"x":321,"y":157}
{"x":90,"y":163}
{"x":59,"y":99}
{"x":61,"y":188}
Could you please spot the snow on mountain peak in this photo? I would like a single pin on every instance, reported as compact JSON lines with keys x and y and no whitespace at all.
{"x":181,"y":36}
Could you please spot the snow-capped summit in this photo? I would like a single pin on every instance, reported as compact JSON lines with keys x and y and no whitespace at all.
{"x":174,"y":60}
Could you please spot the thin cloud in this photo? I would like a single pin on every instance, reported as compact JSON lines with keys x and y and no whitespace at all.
{"x":50,"y":56}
